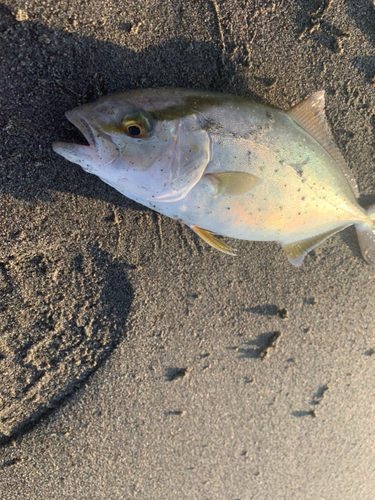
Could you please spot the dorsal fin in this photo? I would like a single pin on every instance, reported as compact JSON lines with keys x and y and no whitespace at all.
{"x":309,"y":114}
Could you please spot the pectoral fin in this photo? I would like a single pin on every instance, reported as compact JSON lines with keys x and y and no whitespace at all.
{"x":231,"y":183}
{"x":297,"y":251}
{"x":209,"y":238}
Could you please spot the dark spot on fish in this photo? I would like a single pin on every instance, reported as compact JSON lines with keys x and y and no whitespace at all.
{"x":210,"y":125}
{"x":303,"y":198}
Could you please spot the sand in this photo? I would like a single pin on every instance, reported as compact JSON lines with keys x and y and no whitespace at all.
{"x":136,"y":361}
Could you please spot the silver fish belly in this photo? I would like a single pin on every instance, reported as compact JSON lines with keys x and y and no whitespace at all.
{"x":225,"y":165}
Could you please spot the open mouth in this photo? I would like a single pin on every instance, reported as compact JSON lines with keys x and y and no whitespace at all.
{"x":64,"y":148}
{"x":82,"y":154}
{"x":98,"y":151}
{"x":83,"y":127}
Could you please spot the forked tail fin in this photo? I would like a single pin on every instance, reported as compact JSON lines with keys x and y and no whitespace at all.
{"x":366,"y":236}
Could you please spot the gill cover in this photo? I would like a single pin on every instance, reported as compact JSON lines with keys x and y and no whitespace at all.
{"x":183,"y":163}
{"x":163,"y":164}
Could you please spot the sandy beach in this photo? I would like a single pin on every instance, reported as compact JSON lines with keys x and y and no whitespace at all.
{"x":136,"y":362}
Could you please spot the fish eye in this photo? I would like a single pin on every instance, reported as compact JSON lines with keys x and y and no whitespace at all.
{"x":134,"y":130}
{"x":136,"y":125}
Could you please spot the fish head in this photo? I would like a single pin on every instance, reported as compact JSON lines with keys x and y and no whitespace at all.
{"x":138,"y":149}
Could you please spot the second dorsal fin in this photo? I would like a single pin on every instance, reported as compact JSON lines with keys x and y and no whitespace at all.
{"x":309,"y":114}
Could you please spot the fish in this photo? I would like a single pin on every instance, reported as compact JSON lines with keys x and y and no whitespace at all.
{"x":225,"y":165}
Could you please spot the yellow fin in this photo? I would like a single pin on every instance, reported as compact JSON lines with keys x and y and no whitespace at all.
{"x":232,"y":183}
{"x":309,"y":114}
{"x":297,"y":251}
{"x":209,"y":238}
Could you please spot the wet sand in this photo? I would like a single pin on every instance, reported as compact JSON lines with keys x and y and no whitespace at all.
{"x":136,"y":361}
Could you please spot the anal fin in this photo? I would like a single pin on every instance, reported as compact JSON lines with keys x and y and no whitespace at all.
{"x":297,"y":251}
{"x":208,"y":237}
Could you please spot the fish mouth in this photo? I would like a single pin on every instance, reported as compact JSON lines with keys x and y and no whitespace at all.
{"x":99,"y":150}
{"x":83,"y":126}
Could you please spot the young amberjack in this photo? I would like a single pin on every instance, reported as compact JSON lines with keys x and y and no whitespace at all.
{"x":225,"y":165}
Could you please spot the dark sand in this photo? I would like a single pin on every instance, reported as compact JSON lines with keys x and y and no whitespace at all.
{"x":135,"y":361}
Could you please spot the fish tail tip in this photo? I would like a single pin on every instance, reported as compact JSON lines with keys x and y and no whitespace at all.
{"x":366,"y":236}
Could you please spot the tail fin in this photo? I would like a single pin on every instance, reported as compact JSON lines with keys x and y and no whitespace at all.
{"x":366,"y":236}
